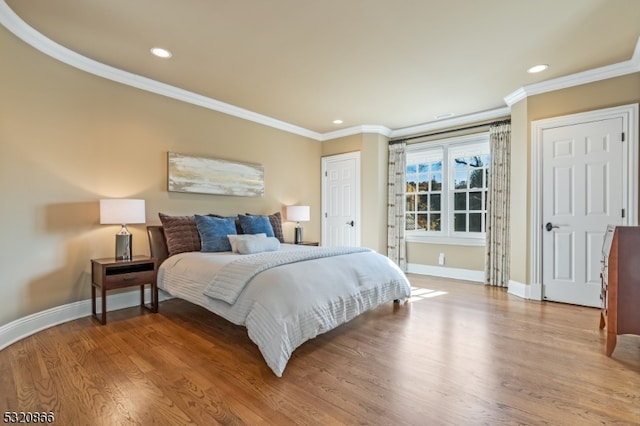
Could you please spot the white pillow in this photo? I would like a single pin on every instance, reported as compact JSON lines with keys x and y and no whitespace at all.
{"x":233,"y":239}
{"x":258,"y":245}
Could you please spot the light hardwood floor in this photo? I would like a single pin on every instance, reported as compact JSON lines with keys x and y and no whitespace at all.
{"x":458,"y":354}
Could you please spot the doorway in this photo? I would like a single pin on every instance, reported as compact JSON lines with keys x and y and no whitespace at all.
{"x":341,"y":200}
{"x":585,"y":177}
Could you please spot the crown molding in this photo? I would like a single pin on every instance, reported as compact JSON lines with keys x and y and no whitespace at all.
{"x":29,"y":35}
{"x":452,"y":122}
{"x":590,"y":76}
{"x":356,"y":130}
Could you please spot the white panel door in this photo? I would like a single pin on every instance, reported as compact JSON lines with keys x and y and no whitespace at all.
{"x":341,"y":200}
{"x":582,"y":187}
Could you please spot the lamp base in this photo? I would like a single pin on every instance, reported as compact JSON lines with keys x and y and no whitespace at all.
{"x":298,"y":239}
{"x":123,"y":247}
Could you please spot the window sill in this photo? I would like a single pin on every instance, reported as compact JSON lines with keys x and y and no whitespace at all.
{"x":454,"y":241}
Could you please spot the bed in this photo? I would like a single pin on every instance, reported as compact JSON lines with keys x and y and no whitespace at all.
{"x":283,"y":297}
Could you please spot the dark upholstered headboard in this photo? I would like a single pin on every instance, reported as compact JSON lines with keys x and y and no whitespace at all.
{"x":157,"y":243}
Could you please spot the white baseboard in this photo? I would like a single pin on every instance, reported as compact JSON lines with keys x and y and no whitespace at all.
{"x":533,"y":291}
{"x":526,"y":291}
{"x":31,"y":324}
{"x":444,"y":272}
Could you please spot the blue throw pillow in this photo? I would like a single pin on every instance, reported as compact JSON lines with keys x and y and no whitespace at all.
{"x":213,"y":232}
{"x":256,"y":225}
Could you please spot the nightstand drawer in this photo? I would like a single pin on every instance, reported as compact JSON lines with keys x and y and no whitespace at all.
{"x":126,"y":279}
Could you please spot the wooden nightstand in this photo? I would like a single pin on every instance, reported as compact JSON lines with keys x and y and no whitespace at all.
{"x":110,"y":274}
{"x":308,"y":243}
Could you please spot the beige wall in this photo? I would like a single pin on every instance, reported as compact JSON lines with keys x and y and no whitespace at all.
{"x":601,"y":94}
{"x":520,"y":205}
{"x":456,"y":256}
{"x":343,"y":145}
{"x":374,"y":164}
{"x":69,"y":138}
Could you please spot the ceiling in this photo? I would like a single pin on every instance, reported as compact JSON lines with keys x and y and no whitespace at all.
{"x":390,"y":63}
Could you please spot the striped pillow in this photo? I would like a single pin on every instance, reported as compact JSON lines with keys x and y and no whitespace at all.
{"x":181,"y":233}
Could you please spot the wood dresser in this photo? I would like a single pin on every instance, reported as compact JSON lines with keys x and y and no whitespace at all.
{"x":620,"y":276}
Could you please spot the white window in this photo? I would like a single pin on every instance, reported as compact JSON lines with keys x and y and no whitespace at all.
{"x":446,"y":190}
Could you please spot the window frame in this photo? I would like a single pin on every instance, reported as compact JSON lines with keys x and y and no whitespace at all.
{"x":449,"y":147}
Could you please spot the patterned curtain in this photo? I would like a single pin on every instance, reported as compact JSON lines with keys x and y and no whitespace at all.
{"x":497,"y":247}
{"x":396,"y":248}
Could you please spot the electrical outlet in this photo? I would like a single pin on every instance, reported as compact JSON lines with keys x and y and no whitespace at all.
{"x":441,"y":259}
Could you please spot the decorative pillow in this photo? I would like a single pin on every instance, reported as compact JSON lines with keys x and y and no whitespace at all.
{"x":181,"y":233}
{"x":238,"y":227}
{"x":213,"y":232}
{"x":258,"y":245}
{"x":237,"y":222}
{"x":255,"y":225}
{"x":233,"y":239}
{"x":276,"y":224}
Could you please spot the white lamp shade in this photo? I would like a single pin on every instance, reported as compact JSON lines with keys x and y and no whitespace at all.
{"x":122,"y":211}
{"x":298,"y":213}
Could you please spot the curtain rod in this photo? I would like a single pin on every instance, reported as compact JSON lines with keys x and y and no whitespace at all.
{"x":459,"y":129}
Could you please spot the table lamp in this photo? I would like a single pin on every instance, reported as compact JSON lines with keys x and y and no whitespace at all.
{"x":119,"y":211}
{"x":298,"y":214}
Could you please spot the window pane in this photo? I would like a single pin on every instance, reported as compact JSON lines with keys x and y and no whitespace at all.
{"x":475,"y":222}
{"x":461,"y":179}
{"x":411,"y":203}
{"x":475,"y":180}
{"x":410,"y":222}
{"x":475,"y":200}
{"x":423,"y":186}
{"x":460,"y":201}
{"x":434,"y":225}
{"x":423,"y":203}
{"x":436,"y":181}
{"x":435,"y":202}
{"x":422,"y":221}
{"x":449,"y":186}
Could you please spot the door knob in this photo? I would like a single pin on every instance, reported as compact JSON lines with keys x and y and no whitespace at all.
{"x":550,"y":226}
{"x":352,"y":223}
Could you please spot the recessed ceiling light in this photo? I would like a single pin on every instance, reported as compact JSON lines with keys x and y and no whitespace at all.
{"x":337,"y":121}
{"x":537,"y":68}
{"x":160,"y":52}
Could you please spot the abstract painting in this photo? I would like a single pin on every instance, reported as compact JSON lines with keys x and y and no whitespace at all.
{"x":204,"y":175}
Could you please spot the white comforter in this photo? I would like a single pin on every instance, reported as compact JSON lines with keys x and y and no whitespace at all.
{"x":285,"y":306}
